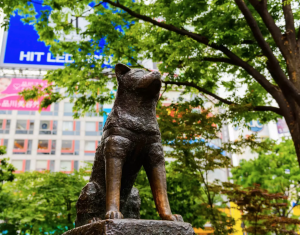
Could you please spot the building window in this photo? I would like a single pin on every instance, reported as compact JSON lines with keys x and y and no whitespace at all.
{"x":43,"y":165}
{"x":71,"y":128}
{"x":18,"y":164}
{"x":90,"y":147}
{"x":21,"y":165}
{"x":68,"y":109}
{"x":68,"y":166}
{"x":87,"y":164}
{"x":5,"y":112}
{"x":98,"y":108}
{"x":70,"y":147}
{"x":93,"y":128}
{"x":24,"y":127}
{"x":4,"y":126}
{"x":54,"y":110}
{"x":48,"y":128}
{"x":46,"y":147}
{"x":23,"y":112}
{"x":4,"y":142}
{"x":22,"y":147}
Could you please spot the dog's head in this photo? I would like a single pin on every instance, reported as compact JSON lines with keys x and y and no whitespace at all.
{"x":138,"y":79}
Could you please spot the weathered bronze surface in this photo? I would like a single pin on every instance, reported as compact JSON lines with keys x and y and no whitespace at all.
{"x":131,"y":139}
{"x":133,"y":227}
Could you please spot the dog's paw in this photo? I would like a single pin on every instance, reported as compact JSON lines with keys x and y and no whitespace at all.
{"x":94,"y":220}
{"x":113,"y":215}
{"x":172,"y":217}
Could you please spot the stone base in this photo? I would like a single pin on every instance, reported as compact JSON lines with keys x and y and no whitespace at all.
{"x":133,"y":227}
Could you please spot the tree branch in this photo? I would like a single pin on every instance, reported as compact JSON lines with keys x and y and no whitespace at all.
{"x":210,"y":59}
{"x":289,"y":17}
{"x":261,"y":79}
{"x":223,"y":60}
{"x":275,"y":31}
{"x":256,"y":30}
{"x":272,"y":65}
{"x":225,"y":101}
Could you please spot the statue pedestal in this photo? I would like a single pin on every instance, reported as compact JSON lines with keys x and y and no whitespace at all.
{"x":133,"y":227}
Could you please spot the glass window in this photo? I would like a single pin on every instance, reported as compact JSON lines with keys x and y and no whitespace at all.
{"x":22,"y":146}
{"x":54,"y":107}
{"x":77,"y":127}
{"x":52,"y":165}
{"x":67,"y":126}
{"x":46,"y":147}
{"x":93,"y":128}
{"x":68,"y":109}
{"x":90,"y":126}
{"x":70,"y":147}
{"x":89,"y":146}
{"x":45,"y":125}
{"x":5,"y":112}
{"x":87,"y":164}
{"x":29,"y":147}
{"x":19,"y":144}
{"x":67,"y":145}
{"x":48,"y":127}
{"x":22,"y":112}
{"x":18,"y":164}
{"x":31,"y":125}
{"x":43,"y":144}
{"x":41,"y":165}
{"x":21,"y":127}
{"x":100,"y":126}
{"x":65,"y":165}
{"x":24,"y":127}
{"x":71,"y":128}
{"x":5,"y":143}
{"x":77,"y":145}
{"x":27,"y":165}
{"x":4,"y":126}
{"x":95,"y":113}
{"x":7,"y":126}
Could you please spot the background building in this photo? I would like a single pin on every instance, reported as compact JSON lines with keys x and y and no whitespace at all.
{"x":271,"y":130}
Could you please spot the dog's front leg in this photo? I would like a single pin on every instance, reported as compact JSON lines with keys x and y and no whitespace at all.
{"x":113,"y":187}
{"x":115,"y":151}
{"x":156,"y":172}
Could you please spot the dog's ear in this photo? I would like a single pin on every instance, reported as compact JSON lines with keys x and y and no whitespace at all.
{"x":121,"y":69}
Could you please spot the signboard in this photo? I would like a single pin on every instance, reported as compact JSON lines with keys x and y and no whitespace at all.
{"x":21,"y":48}
{"x":255,"y":126}
{"x":9,"y":98}
{"x":282,"y":127}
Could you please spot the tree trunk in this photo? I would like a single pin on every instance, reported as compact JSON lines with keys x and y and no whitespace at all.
{"x":292,"y":59}
{"x":293,"y":122}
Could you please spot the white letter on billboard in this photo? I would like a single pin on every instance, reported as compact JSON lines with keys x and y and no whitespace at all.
{"x":39,"y":55}
{"x":49,"y":59}
{"x":67,"y":58}
{"x":32,"y":56}
{"x":27,"y":56}
{"x":60,"y":59}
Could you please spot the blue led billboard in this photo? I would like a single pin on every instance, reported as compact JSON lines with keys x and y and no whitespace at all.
{"x":21,"y":48}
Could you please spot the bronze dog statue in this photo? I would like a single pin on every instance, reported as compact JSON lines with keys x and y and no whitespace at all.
{"x":131,"y":139}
